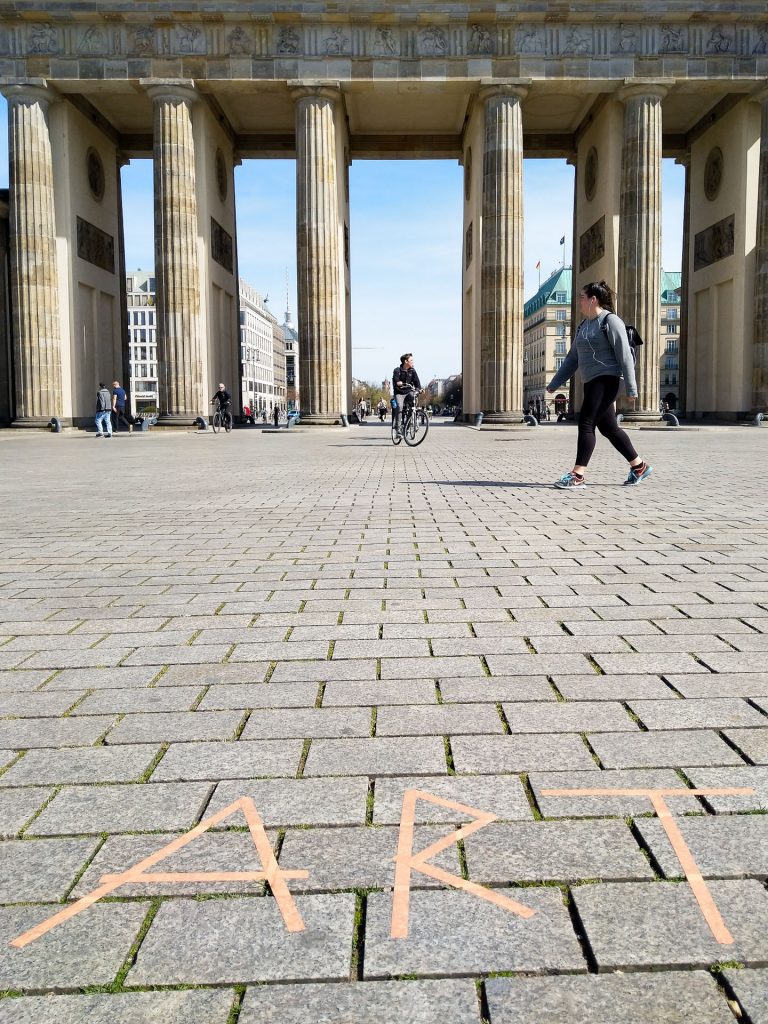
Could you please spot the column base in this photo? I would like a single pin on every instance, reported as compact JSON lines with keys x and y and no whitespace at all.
{"x":179,"y":421}
{"x":516,"y":416}
{"x":320,"y":419}
{"x":39,"y":422}
{"x":638,"y":416}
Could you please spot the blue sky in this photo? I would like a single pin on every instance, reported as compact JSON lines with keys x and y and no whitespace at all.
{"x":405,"y":241}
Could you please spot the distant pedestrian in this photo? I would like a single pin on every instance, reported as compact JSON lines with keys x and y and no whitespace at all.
{"x":276,"y":415}
{"x":119,"y":410}
{"x":601,"y":351}
{"x":103,"y":412}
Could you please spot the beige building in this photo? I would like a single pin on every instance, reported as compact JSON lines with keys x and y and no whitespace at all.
{"x":262,"y":353}
{"x":546,"y":340}
{"x":610,"y":88}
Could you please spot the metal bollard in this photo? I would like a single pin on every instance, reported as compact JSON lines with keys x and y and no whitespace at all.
{"x":55,"y":425}
{"x":531,"y":420}
{"x":201,"y":423}
{"x":478,"y":419}
{"x":672,"y":420}
{"x":758,"y":419}
{"x":344,"y":420}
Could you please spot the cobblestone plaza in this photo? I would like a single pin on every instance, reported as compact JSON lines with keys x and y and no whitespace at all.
{"x":311,"y":625}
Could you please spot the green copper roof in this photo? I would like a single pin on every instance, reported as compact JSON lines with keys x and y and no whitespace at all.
{"x":559,"y":281}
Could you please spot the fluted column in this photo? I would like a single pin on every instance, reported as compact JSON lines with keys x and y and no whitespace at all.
{"x":180,"y":365}
{"x":317,"y":242}
{"x":501,"y":287}
{"x":34,"y":279}
{"x":685,"y":291}
{"x":760,"y":337}
{"x":639,"y":298}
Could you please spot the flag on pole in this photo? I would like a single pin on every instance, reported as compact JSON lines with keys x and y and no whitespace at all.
{"x":538,"y":265}
{"x":562,"y":240}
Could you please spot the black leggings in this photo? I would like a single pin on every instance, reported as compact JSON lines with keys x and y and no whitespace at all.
{"x":598,"y":410}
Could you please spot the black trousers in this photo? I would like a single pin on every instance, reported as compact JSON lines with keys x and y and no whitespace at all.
{"x":599,"y":411}
{"x":121,"y":414}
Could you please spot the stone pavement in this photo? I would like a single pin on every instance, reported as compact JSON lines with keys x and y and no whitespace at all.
{"x":321,"y":623}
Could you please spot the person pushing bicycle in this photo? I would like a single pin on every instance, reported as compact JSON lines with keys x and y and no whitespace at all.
{"x":405,"y":383}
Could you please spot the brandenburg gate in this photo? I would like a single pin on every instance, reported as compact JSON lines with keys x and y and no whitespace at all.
{"x":199,"y":85}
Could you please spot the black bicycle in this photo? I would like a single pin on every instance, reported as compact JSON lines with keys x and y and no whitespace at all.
{"x":413,"y":422}
{"x":221,"y":418}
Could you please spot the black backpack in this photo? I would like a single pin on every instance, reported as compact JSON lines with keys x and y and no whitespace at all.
{"x":633,"y":336}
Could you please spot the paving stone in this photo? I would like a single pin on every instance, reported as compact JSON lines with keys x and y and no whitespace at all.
{"x":141,"y":808}
{"x":101,"y":678}
{"x":537,"y":664}
{"x":378,"y":755}
{"x":494,"y":754}
{"x":37,"y":705}
{"x":18,"y":805}
{"x":362,"y":857}
{"x":181,"y":655}
{"x":241,"y":760}
{"x":89,"y":949}
{"x":595,"y":716}
{"x":579,"y":806}
{"x":722,"y":684}
{"x":696,"y":714}
{"x":450,"y":1001}
{"x":595,"y":687}
{"x":25,"y":733}
{"x":733,"y":661}
{"x":286,"y":802}
{"x":744,"y":777}
{"x":752,"y":742}
{"x":245,"y":940}
{"x":634,"y":925}
{"x":260,"y":695}
{"x":751,"y":990}
{"x":554,"y":851}
{"x":502,"y":795}
{"x":41,"y":869}
{"x":97,"y":764}
{"x":213,"y":674}
{"x":96,"y":658}
{"x":726,"y":846}
{"x":168,"y":727}
{"x":212,"y":851}
{"x":496,"y":688}
{"x":430,"y":668}
{"x":457,"y":933}
{"x":307,"y":722}
{"x":20,"y":681}
{"x":669,"y":998}
{"x":211,"y":1006}
{"x":323,"y":671}
{"x":620,"y":664}
{"x":155,"y":698}
{"x":344,"y":693}
{"x":446,"y":719}
{"x":662,"y":749}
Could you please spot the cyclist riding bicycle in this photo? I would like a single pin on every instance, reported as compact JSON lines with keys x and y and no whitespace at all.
{"x":223,"y":399}
{"x":405,"y":385}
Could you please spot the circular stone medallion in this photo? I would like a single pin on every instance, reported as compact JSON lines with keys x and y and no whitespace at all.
{"x":713,"y":173}
{"x":94,"y":169}
{"x":590,"y":174}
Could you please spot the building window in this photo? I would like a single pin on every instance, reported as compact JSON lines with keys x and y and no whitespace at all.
{"x":672,"y":329}
{"x":561,"y":297}
{"x":561,"y":330}
{"x":560,"y":348}
{"x":672,"y":313}
{"x":671,"y":363}
{"x":558,"y":363}
{"x":561,"y":314}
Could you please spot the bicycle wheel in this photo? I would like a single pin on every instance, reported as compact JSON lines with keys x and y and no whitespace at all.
{"x":396,"y":436}
{"x":227,"y":420}
{"x":417,"y":428}
{"x":216,"y":422}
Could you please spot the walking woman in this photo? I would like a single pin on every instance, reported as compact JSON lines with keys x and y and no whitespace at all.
{"x":601,"y":351}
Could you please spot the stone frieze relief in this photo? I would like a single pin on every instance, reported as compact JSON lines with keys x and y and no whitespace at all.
{"x":360,"y":40}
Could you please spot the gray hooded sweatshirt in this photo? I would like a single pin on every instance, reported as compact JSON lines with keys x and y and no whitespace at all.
{"x":597,"y":355}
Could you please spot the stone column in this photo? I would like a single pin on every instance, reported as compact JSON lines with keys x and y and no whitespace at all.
{"x":685,"y":285}
{"x":501,"y":280}
{"x":34,"y":279}
{"x":639,"y":298}
{"x":321,"y":304}
{"x":181,"y":376}
{"x":760,"y":337}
